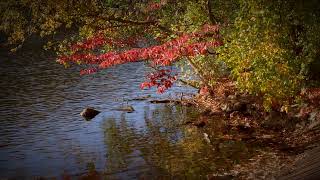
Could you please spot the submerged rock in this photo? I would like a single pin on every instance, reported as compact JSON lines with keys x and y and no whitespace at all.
{"x":89,"y":113}
{"x":141,"y":98}
{"x":128,"y":109}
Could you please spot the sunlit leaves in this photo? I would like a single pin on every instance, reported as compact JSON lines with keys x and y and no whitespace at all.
{"x":266,"y":48}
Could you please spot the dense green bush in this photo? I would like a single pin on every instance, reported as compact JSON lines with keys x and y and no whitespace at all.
{"x":270,"y":45}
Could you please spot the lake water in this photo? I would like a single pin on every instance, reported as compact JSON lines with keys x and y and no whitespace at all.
{"x":43,"y":135}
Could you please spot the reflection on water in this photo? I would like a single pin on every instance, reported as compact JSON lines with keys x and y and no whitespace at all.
{"x":42,"y":133}
{"x":164,"y":147}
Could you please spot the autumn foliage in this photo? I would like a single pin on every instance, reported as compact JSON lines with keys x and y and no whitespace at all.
{"x":186,"y":45}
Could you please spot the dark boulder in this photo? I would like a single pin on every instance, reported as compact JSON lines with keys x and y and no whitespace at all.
{"x":89,"y":113}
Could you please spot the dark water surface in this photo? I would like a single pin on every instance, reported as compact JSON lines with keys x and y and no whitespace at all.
{"x":43,"y":135}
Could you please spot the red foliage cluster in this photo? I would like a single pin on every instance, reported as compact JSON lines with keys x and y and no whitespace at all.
{"x":155,"y":5}
{"x":160,"y":55}
{"x":162,"y":79}
{"x":88,"y":71}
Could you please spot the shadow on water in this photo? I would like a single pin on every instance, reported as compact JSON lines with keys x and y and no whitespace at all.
{"x":43,"y":135}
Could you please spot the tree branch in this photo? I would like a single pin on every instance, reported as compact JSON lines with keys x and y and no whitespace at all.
{"x":199,"y":72}
{"x":211,"y":16}
{"x":190,"y":83}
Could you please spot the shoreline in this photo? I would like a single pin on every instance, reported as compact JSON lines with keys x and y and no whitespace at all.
{"x":290,"y":136}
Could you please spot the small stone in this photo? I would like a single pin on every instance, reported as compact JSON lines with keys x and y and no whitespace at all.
{"x":233,"y":97}
{"x":206,"y":137}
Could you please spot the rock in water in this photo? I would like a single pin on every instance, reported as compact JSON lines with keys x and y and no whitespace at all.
{"x":128,"y":109}
{"x":89,"y":113}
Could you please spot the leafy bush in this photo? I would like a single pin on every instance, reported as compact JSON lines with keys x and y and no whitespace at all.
{"x":269,"y":47}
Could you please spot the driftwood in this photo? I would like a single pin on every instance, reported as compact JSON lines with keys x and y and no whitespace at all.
{"x":181,"y":102}
{"x":193,"y":84}
{"x":161,"y":101}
